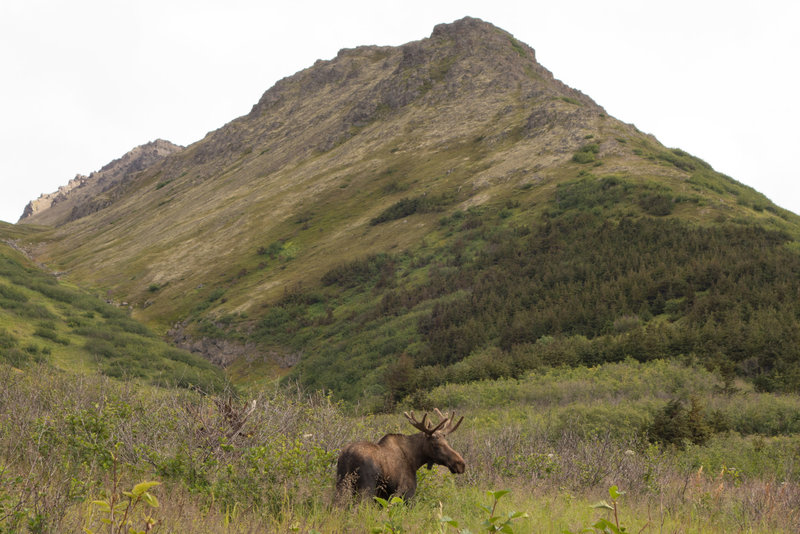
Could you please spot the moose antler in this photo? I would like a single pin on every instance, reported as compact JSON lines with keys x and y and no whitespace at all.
{"x":449,"y":428}
{"x":445,"y":422}
{"x":424,"y":425}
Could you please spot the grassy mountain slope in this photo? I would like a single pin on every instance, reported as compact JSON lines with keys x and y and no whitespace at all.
{"x":442,"y":211}
{"x":43,"y":320}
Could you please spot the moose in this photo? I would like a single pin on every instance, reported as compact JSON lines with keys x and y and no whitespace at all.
{"x":389,"y":467}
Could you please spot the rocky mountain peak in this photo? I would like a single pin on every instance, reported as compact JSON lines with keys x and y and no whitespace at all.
{"x":472,"y":34}
{"x":468,"y":67}
{"x":46,"y":200}
{"x":86,"y":194}
{"x":140,"y":157}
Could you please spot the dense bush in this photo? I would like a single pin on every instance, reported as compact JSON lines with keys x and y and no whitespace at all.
{"x":586,"y":154}
{"x":361,"y":271}
{"x":12,"y":294}
{"x":409,"y":206}
{"x":589,"y":193}
{"x":658,"y":204}
{"x":7,"y":340}
{"x":15,"y":357}
{"x":72,"y":430}
{"x":49,"y":332}
{"x":676,"y":424}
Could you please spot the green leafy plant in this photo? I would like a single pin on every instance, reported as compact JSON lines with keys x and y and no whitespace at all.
{"x":493,"y":521}
{"x":497,"y":523}
{"x":394,"y":509}
{"x":675,"y":424}
{"x":118,"y":511}
{"x":603,"y":525}
{"x":409,"y":206}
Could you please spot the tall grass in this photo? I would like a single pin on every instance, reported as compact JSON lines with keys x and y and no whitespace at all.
{"x":263,"y":460}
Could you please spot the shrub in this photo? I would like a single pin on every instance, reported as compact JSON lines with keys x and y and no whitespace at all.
{"x":274,"y":248}
{"x":583,"y":157}
{"x":7,"y":340}
{"x":360,"y":271}
{"x":12,"y":294}
{"x":50,"y":334}
{"x":675,"y":424}
{"x":586,"y":154}
{"x":51,"y":289}
{"x":587,"y":193}
{"x":15,"y":357}
{"x":410,"y":206}
{"x":131,"y":326}
{"x":31,"y":310}
{"x":658,"y":204}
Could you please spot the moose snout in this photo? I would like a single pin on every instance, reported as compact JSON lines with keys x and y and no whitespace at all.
{"x":458,"y":466}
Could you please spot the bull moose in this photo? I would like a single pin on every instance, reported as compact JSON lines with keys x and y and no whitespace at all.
{"x":390,"y":466}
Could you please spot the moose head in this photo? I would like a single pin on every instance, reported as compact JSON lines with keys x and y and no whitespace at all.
{"x":434,"y":446}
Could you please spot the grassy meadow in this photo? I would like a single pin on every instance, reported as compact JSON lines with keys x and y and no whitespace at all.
{"x":556,"y":440}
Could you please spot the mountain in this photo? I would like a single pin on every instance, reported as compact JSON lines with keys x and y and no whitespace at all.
{"x":86,"y":194}
{"x":446,"y":210}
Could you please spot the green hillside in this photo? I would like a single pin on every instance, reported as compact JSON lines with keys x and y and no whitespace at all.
{"x":44,"y":321}
{"x":493,"y":295}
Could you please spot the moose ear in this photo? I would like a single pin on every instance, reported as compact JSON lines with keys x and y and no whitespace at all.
{"x":430,"y":466}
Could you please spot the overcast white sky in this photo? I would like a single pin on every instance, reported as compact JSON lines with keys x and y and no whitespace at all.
{"x":84,"y":81}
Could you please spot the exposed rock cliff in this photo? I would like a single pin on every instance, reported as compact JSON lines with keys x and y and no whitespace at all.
{"x":46,"y":200}
{"x":87,"y":194}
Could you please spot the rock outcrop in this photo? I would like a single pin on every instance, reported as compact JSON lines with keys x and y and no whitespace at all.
{"x":84,"y":195}
{"x":46,"y":200}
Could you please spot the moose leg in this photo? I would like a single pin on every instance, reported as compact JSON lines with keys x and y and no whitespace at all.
{"x":406,"y":495}
{"x":404,"y":483}
{"x":361,"y":481}
{"x":407,"y":488}
{"x":345,"y":487}
{"x":368,"y":484}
